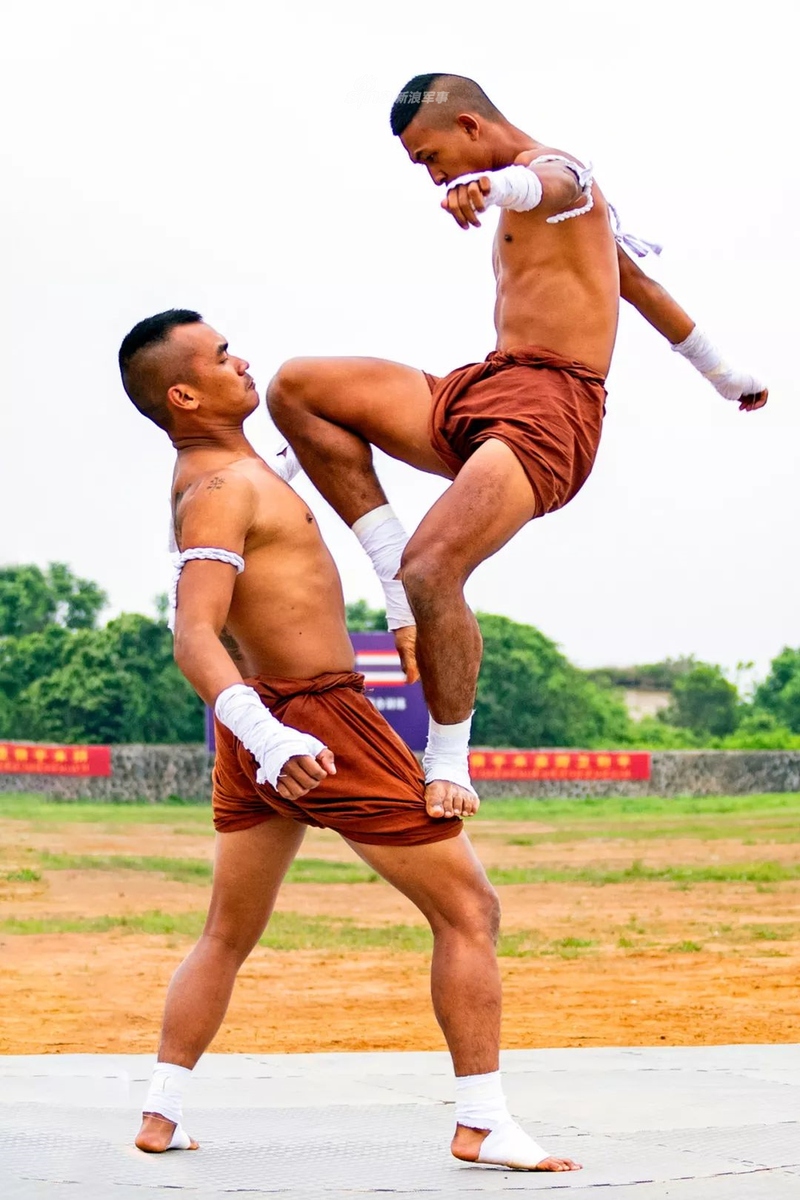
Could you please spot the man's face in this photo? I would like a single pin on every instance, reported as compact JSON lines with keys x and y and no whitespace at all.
{"x":447,"y":153}
{"x":215,"y":377}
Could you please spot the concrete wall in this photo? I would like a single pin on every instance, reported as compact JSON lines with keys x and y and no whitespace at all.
{"x":154,"y":773}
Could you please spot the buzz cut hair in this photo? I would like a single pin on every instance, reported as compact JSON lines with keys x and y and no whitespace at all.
{"x":142,"y":377}
{"x":443,"y":95}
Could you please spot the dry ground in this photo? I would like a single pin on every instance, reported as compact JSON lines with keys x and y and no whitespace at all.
{"x":625,"y":923}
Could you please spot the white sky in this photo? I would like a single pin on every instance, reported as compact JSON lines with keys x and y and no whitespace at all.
{"x":236,"y":158}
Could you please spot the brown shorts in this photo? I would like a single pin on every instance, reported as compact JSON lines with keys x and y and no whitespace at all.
{"x":545,"y":408}
{"x":377,"y":793}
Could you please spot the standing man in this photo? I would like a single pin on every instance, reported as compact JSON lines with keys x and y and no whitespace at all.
{"x":517,"y":433}
{"x":260,"y":633}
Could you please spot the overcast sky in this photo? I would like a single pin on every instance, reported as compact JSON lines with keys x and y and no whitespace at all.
{"x":236,"y":158}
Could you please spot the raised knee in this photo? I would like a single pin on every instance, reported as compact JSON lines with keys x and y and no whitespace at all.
{"x":426,"y":575}
{"x":291,"y":386}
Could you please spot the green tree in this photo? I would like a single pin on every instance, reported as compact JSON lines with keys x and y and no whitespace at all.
{"x":32,"y":599}
{"x":117,"y":684}
{"x":760,"y":730}
{"x":529,"y":694}
{"x":363,"y":619}
{"x":704,"y":701}
{"x":779,"y":694}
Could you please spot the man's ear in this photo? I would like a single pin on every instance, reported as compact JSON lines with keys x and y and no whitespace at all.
{"x":180,"y":396}
{"x":470,"y":125}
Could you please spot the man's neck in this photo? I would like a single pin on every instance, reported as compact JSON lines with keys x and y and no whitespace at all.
{"x":231,"y":440}
{"x":509,"y":143}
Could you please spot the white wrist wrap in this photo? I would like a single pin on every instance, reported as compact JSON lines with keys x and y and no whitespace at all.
{"x":384,"y":539}
{"x":515,"y":187}
{"x":704,"y":357}
{"x":447,"y":753}
{"x":520,"y":188}
{"x":271,"y":743}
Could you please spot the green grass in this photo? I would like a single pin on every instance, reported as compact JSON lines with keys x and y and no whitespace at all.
{"x":685,"y":876}
{"x":23,"y":875}
{"x":609,"y":808}
{"x":685,"y":948}
{"x":198,"y":870}
{"x":286,"y":931}
{"x":27,"y":806}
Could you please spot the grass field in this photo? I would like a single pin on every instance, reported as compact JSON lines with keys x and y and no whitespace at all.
{"x":625,"y":921}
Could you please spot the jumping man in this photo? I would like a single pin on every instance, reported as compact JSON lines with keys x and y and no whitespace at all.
{"x":517,"y":433}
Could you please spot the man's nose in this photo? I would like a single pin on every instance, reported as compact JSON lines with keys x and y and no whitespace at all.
{"x":243,"y":366}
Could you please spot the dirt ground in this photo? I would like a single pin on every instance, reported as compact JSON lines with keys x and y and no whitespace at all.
{"x":624,"y":964}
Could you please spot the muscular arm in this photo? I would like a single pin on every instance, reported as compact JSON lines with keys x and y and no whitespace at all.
{"x":555,"y":189}
{"x":665,"y":314}
{"x":653,"y":301}
{"x":219,"y":514}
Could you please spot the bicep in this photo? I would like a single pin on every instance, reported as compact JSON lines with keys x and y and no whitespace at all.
{"x":205,"y":591}
{"x":217,"y":517}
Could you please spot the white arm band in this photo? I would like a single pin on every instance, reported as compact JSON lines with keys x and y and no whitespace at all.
{"x":271,"y":743}
{"x":384,"y":539}
{"x":195,"y":554}
{"x":520,"y":188}
{"x":705,"y":358}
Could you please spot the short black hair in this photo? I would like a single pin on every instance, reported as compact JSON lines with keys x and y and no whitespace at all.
{"x":444,"y":92}
{"x":145,"y":387}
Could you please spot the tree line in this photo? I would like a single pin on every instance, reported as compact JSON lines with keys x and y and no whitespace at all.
{"x":65,"y":677}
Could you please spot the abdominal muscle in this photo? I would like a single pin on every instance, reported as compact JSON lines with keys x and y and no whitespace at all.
{"x":557,"y":288}
{"x":288,"y":622}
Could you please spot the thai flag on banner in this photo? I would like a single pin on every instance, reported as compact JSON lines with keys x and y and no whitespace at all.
{"x":401,"y":703}
{"x":380,"y":668}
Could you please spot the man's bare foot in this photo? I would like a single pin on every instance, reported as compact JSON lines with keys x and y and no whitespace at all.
{"x":445,"y":799}
{"x":467,"y":1144}
{"x":157,"y":1134}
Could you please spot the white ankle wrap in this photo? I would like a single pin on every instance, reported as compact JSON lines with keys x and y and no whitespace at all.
{"x":480,"y":1101}
{"x":165,"y":1096}
{"x":705,"y":358}
{"x":481,"y":1104}
{"x":384,"y":539}
{"x":271,"y":743}
{"x":447,"y":753}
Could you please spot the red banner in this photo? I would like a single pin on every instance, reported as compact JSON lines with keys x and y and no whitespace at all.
{"x":19,"y":759}
{"x":558,"y":764}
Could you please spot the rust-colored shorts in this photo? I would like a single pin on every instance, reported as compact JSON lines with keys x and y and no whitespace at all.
{"x":377,"y":793}
{"x":545,"y":408}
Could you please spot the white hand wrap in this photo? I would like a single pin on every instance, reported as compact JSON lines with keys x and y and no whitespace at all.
{"x":447,"y":753}
{"x":271,"y":743}
{"x":520,"y":188}
{"x":516,"y":187}
{"x":384,"y":539}
{"x":704,"y":357}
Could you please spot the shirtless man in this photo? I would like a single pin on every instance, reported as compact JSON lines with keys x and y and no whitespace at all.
{"x":260,"y":633}
{"x":517,"y":433}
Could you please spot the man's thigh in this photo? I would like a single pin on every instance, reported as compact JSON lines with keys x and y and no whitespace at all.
{"x":249,"y":867}
{"x":445,"y":880}
{"x":387,"y":403}
{"x":490,"y":500}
